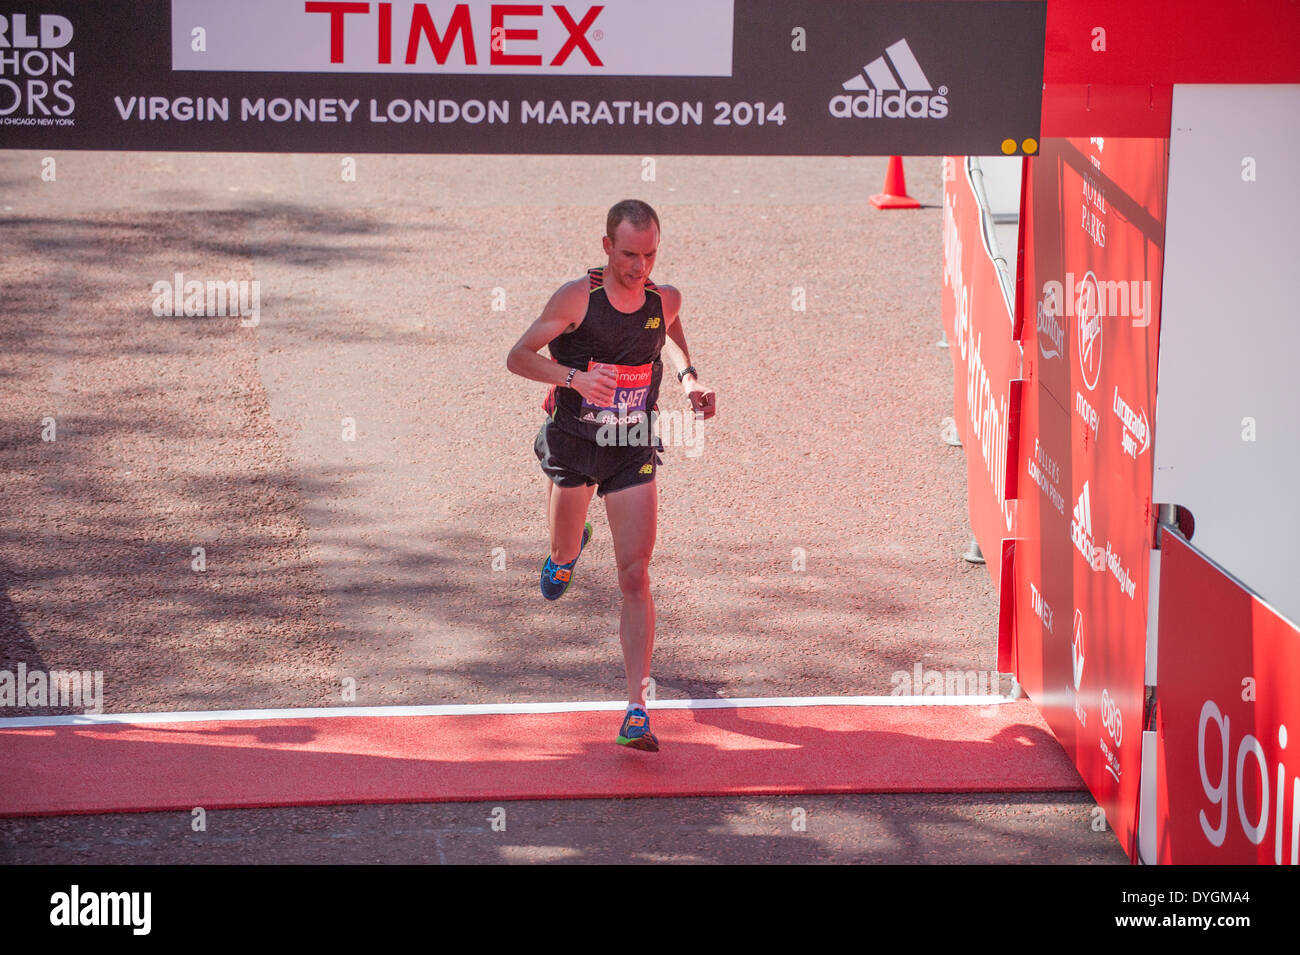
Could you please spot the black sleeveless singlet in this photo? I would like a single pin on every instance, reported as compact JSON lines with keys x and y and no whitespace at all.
{"x":631,"y":340}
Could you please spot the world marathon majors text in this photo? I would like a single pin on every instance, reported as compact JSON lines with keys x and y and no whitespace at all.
{"x":472,"y":111}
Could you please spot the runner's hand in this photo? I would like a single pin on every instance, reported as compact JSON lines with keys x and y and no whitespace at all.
{"x":597,"y":385}
{"x":703,"y":400}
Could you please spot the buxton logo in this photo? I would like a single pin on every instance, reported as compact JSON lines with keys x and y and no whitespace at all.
{"x":1049,"y":325}
{"x":902,"y":92}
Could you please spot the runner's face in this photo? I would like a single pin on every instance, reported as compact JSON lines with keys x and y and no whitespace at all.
{"x":632,"y":253}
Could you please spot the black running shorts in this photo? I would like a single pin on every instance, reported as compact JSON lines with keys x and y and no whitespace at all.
{"x":571,"y":461}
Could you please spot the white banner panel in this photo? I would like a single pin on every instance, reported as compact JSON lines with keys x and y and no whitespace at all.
{"x":1227,"y":432}
{"x":612,"y":38}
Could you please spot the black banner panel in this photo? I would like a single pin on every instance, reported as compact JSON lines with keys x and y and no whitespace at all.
{"x":705,"y":77}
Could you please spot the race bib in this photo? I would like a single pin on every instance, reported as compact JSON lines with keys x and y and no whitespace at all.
{"x":630,"y":392}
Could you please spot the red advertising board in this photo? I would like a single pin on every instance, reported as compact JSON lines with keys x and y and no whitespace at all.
{"x":1228,"y":703}
{"x":1093,"y":259}
{"x":1110,"y":65}
{"x":986,"y":365}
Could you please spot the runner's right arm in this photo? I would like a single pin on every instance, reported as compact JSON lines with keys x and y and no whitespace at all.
{"x":563,"y":313}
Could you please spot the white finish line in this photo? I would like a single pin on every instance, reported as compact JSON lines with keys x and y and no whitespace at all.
{"x":478,"y":709}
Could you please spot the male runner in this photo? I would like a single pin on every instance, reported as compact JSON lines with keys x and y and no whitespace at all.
{"x":605,"y":332}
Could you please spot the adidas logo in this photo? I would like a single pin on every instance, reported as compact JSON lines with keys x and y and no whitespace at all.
{"x":652,"y":321}
{"x":1081,"y":531}
{"x":878,"y":90}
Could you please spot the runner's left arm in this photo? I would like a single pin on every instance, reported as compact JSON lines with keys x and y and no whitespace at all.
{"x":703,"y":400}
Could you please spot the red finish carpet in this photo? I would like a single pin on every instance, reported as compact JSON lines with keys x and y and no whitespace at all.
{"x":319,"y":760}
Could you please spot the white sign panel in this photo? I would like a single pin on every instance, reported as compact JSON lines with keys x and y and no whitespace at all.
{"x":611,"y":38}
{"x":1227,"y":430}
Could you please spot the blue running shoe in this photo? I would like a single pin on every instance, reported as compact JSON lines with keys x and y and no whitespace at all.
{"x":635,"y":732}
{"x":557,"y":577}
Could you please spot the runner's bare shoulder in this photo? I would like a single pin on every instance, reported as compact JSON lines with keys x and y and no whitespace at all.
{"x":568,"y":304}
{"x":672,"y":299}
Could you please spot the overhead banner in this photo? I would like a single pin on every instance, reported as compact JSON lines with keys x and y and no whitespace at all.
{"x":1229,"y":664}
{"x":708,"y":77}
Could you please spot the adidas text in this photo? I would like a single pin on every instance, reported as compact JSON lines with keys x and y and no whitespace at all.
{"x":896,"y":105}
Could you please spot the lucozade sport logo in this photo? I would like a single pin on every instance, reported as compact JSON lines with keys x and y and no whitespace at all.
{"x":876,"y":91}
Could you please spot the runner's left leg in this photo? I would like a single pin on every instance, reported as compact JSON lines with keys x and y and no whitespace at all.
{"x":633,"y":515}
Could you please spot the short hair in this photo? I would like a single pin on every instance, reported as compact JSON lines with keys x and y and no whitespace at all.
{"x":632,"y":211}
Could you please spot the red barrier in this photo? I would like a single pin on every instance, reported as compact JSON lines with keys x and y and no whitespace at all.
{"x":986,"y":363}
{"x":1092,"y":278}
{"x":1228,"y":703}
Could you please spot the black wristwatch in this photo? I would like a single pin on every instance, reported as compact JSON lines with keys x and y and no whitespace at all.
{"x":688,"y":370}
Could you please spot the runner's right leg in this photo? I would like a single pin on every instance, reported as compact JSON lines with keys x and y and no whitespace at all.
{"x":566,"y":513}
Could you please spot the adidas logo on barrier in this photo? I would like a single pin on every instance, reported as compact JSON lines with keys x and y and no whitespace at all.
{"x":902,"y":92}
{"x":1081,"y":531}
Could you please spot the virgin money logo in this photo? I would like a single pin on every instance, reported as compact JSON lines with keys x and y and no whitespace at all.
{"x":1087,"y":343}
{"x":1077,"y":648}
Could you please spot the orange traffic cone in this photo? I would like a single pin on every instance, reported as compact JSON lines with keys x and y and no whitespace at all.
{"x":895,"y":195}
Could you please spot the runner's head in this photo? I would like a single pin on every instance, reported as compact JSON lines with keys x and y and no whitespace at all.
{"x":631,"y":241}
